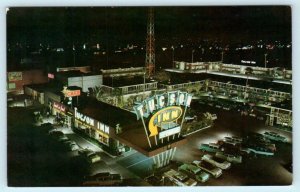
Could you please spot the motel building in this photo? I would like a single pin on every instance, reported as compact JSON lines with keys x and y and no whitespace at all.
{"x":62,"y":113}
{"x":153,"y":129}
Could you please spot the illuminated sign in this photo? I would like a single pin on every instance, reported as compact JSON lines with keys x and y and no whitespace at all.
{"x":157,"y":102}
{"x":70,"y":93}
{"x":83,"y":118}
{"x":91,"y":122}
{"x":50,"y":76}
{"x":166,"y":109}
{"x":59,"y":107}
{"x":248,"y":62}
{"x":14,"y":76}
{"x":169,"y":132}
{"x":166,"y":115}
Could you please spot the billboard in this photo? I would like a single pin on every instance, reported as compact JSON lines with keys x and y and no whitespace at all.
{"x":15,"y":76}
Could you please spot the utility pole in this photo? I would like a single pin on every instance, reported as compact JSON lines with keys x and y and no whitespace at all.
{"x":193,"y":55}
{"x":73,"y":54}
{"x":173,"y":57}
{"x":222,"y":56}
{"x":266,"y":60}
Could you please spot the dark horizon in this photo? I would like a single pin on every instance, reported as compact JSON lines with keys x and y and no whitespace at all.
{"x":61,"y":26}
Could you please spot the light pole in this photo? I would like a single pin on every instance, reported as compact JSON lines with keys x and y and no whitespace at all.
{"x":222,"y":56}
{"x":193,"y":55}
{"x":266,"y":60}
{"x":144,"y":81}
{"x":173,"y":57}
{"x":73,"y":55}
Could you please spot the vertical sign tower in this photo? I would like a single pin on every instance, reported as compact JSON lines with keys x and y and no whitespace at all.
{"x":150,"y":46}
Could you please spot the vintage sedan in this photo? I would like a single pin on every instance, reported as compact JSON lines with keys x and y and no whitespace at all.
{"x":233,"y":158}
{"x":222,"y":164}
{"x":209,"y":168}
{"x":275,"y":137}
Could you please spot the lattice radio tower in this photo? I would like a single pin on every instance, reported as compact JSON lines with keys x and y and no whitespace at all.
{"x":150,"y":46}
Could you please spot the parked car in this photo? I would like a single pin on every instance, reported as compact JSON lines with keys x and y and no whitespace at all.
{"x":202,"y":177}
{"x":230,"y":140}
{"x":211,"y":147}
{"x":90,"y":156}
{"x":216,"y":161}
{"x":176,"y":177}
{"x":46,"y":127}
{"x":179,"y":178}
{"x":52,"y":130}
{"x":257,"y":137}
{"x":261,"y":151}
{"x":56,"y":134}
{"x":275,"y":136}
{"x":190,"y":182}
{"x":257,"y":148}
{"x":63,"y":138}
{"x":103,"y":179}
{"x":229,"y":157}
{"x":71,"y":145}
{"x":189,"y":168}
{"x":214,"y":171}
{"x":237,"y":139}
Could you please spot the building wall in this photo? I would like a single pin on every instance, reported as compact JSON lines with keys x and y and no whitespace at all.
{"x":86,"y":82}
{"x":34,"y":94}
{"x":49,"y":97}
{"x":15,"y":86}
{"x":83,"y":69}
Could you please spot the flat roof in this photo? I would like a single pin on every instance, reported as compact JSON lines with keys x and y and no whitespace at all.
{"x":133,"y":133}
{"x":75,"y":73}
{"x":46,"y":87}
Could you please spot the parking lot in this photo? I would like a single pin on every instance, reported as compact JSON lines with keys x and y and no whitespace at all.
{"x":258,"y":170}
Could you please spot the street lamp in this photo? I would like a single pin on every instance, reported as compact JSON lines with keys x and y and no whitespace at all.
{"x":173,"y":57}
{"x":222,"y":56}
{"x":73,"y":54}
{"x":144,"y":82}
{"x":193,"y":55}
{"x":266,"y":60}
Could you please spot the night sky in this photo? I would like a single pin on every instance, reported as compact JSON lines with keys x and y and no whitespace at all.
{"x":118,"y":25}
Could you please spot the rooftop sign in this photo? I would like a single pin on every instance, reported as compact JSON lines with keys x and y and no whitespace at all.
{"x":176,"y":98}
{"x":165,"y":111}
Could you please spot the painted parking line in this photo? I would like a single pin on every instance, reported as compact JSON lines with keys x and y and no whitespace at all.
{"x":137,"y":163}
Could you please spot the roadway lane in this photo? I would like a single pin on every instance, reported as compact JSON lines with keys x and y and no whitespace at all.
{"x":83,"y":143}
{"x":138,"y":164}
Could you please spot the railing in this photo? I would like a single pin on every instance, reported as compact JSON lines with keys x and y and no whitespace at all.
{"x":182,"y":85}
{"x":138,"y":88}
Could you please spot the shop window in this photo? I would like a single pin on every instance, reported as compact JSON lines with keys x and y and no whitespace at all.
{"x":101,"y":127}
{"x":106,"y":130}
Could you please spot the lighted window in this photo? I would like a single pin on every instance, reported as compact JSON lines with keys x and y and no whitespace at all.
{"x":11,"y":85}
{"x":106,"y":129}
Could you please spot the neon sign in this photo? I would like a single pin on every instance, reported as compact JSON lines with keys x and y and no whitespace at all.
{"x":157,"y":102}
{"x":83,"y":118}
{"x":59,"y":107}
{"x":166,"y":109}
{"x":165,"y":115}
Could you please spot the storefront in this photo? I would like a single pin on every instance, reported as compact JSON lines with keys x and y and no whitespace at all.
{"x":92,"y":127}
{"x":63,"y":115}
